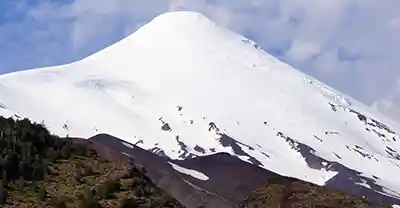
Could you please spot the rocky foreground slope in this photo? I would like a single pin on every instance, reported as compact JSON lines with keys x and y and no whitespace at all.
{"x":288,"y":193}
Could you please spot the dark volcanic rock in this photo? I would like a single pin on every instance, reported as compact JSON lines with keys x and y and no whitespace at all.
{"x":231,"y":180}
{"x":227,"y":141}
{"x":347,"y":179}
{"x":166,"y":127}
{"x":161,"y":173}
{"x":199,"y":149}
{"x":229,"y":176}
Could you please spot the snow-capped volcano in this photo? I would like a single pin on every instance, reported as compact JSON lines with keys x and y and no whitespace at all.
{"x":181,"y":86}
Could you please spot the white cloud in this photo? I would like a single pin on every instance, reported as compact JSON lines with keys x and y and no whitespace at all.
{"x":301,"y":50}
{"x":389,"y":102}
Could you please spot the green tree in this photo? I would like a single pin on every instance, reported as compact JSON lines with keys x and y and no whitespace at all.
{"x":4,"y":180}
{"x":66,"y":151}
{"x":3,"y":194}
{"x":20,"y":183}
{"x":139,"y":191}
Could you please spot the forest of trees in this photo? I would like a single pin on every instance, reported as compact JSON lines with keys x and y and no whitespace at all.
{"x":25,"y":150}
{"x":42,"y":169}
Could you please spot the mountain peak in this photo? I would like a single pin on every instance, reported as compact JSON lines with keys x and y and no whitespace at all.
{"x":180,"y":23}
{"x":173,"y":34}
{"x":183,"y":87}
{"x":181,"y":16}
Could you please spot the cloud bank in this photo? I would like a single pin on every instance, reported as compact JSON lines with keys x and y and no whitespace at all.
{"x":351,"y":45}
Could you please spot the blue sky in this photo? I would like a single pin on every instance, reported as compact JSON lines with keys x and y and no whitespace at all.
{"x":352,"y":45}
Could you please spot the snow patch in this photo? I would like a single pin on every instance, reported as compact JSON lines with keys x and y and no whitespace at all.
{"x":128,"y":145}
{"x":124,"y":153}
{"x":364,"y":183}
{"x":193,"y":173}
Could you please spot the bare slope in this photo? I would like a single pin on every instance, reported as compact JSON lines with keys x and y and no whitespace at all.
{"x":224,"y":181}
{"x":181,"y":86}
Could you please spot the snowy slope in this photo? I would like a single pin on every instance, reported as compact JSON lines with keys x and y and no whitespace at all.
{"x":182,"y":86}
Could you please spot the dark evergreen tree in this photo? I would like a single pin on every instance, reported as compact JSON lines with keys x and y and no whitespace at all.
{"x":3,"y":194}
{"x":4,"y":180}
{"x":20,"y":183}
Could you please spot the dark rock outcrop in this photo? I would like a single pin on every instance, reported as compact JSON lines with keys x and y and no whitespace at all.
{"x":231,"y":180}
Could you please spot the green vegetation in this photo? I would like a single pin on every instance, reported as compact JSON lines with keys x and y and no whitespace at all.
{"x":39,"y":170}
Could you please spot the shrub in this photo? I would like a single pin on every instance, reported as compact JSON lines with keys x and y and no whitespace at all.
{"x":3,"y":195}
{"x":128,"y":203}
{"x":58,"y":203}
{"x":41,"y":194}
{"x":106,"y":189}
{"x":89,"y":203}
